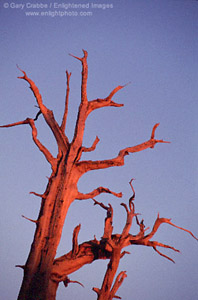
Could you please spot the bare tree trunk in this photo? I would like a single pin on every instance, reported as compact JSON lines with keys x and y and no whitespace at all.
{"x":55,"y":203}
{"x":52,"y":289}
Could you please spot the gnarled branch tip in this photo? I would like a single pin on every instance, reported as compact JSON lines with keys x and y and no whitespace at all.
{"x":153,"y":130}
{"x":125,"y":206}
{"x":126,"y":84}
{"x":85,"y":53}
{"x":21,"y":71}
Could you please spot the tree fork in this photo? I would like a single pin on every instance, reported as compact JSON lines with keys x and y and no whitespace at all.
{"x":62,"y":190}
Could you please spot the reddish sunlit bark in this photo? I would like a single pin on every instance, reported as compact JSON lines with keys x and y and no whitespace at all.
{"x":42,"y":272}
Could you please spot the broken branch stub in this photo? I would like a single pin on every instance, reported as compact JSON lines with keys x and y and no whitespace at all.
{"x":75,"y":247}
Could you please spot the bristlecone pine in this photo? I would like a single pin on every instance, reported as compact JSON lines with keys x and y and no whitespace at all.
{"x":42,"y":272}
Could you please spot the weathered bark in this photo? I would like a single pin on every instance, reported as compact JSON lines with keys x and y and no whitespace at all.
{"x":109,"y":247}
{"x":62,"y":190}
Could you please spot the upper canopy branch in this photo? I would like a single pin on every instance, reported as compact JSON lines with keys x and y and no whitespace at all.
{"x":82,"y":111}
{"x":64,"y":120}
{"x":35,"y":91}
{"x":93,"y":147}
{"x":87,"y":106}
{"x":41,"y":147}
{"x":85,"y":166}
{"x":60,"y":137}
{"x":130,"y":214}
{"x":87,"y":149}
{"x":98,"y":103}
{"x":84,"y":75}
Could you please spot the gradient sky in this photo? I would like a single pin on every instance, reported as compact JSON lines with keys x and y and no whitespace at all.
{"x":153,"y":45}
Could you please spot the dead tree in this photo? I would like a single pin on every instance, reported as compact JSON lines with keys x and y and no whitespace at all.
{"x":67,"y":167}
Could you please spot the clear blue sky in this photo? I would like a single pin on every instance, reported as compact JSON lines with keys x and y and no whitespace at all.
{"x":153,"y":45}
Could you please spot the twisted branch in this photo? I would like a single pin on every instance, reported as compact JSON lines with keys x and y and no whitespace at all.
{"x":110,"y":247}
{"x":60,"y":137}
{"x":97,"y":192}
{"x":99,"y":103}
{"x":160,"y":221}
{"x":86,"y":166}
{"x":93,"y":147}
{"x":41,"y":147}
